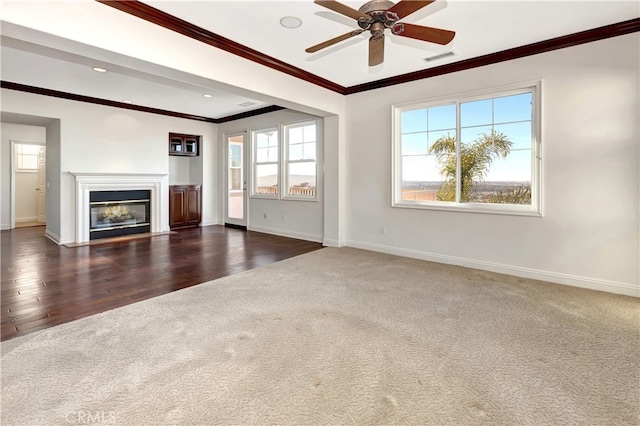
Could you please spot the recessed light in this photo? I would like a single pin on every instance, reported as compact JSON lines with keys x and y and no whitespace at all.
{"x":208,"y":95}
{"x":246,"y":104}
{"x":99,"y":69}
{"x":127,"y":101}
{"x":290,"y":22}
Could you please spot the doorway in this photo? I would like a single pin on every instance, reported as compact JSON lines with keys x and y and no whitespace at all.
{"x":236,"y":180}
{"x":28,"y":184}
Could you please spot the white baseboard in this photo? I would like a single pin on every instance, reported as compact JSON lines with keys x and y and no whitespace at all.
{"x":5,"y":226}
{"x":287,"y":233}
{"x":518,"y":271}
{"x":53,"y":237}
{"x":329,"y":242}
{"x":26,"y":219}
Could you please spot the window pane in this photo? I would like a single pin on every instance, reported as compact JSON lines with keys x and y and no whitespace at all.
{"x":234,"y":179}
{"x":295,"y":152}
{"x":414,"y":144}
{"x":309,"y":133}
{"x":422,"y":180}
{"x":262,"y":140}
{"x":476,"y":113}
{"x":470,"y":134}
{"x":508,"y":181}
{"x":266,"y":179}
{"x":518,"y":133}
{"x":443,"y":117}
{"x":309,"y":149}
{"x":414,"y":121}
{"x":273,"y":154}
{"x":295,"y":135}
{"x":512,"y":108}
{"x":262,"y":155}
{"x":302,"y":179}
{"x":434,"y":136}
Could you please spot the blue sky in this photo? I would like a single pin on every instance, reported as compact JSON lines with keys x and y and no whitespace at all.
{"x":510,"y":115}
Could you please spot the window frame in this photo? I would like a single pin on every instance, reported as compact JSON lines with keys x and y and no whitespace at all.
{"x":534,"y":209}
{"x":255,"y":163}
{"x":284,"y":195}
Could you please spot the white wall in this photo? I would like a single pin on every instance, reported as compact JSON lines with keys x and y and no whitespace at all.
{"x":13,"y":132}
{"x":304,"y":219}
{"x":590,"y":230}
{"x":100,"y":139}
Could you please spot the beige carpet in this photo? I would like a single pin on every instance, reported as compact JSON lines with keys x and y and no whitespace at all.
{"x":338,"y":336}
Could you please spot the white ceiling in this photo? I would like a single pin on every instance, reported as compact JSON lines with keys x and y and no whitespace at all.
{"x":481,"y":27}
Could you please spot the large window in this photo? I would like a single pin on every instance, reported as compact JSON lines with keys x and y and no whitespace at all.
{"x":478,"y":153}
{"x":285,"y":162}
{"x":265,"y":163}
{"x":300,"y":161}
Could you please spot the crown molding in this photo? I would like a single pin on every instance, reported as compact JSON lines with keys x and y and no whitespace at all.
{"x":99,"y":101}
{"x":170,"y":22}
{"x":596,"y":34}
{"x":151,"y":14}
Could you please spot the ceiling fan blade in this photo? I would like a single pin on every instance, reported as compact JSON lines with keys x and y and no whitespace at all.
{"x":342,"y":9}
{"x":376,"y":51}
{"x":430,"y":34}
{"x":334,"y":40}
{"x":407,"y":7}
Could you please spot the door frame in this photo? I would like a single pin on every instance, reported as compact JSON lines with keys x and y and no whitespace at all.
{"x":246,"y":178}
{"x":12,"y":210}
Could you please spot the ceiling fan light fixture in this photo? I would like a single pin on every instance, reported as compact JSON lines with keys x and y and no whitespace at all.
{"x":290,"y":22}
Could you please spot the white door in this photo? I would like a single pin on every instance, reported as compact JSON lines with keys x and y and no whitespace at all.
{"x":42,"y":186}
{"x":236,"y":180}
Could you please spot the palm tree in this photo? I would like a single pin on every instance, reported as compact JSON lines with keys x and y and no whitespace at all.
{"x":475,"y":159}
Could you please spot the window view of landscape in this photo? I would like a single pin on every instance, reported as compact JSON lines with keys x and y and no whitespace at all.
{"x":266,"y":162}
{"x":299,"y":167}
{"x":301,"y":159}
{"x":490,"y":164}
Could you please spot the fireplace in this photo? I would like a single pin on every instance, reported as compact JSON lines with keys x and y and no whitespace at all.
{"x":97,"y":213}
{"x":118,"y":213}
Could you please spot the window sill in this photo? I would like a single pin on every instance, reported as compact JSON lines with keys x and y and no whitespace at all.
{"x":299,"y":198}
{"x":265,"y":196}
{"x":501,"y":209}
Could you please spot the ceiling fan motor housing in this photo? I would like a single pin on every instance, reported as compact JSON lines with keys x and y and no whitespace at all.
{"x":376,"y":5}
{"x":379,"y":17}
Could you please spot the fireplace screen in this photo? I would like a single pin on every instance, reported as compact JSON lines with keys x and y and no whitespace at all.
{"x":115,"y":213}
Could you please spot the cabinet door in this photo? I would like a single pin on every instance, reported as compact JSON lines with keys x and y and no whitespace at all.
{"x":176,"y":145}
{"x":177,"y":203}
{"x":193,"y":209}
{"x":191,"y":145}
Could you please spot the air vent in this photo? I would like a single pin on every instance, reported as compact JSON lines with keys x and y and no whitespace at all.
{"x":246,"y":104}
{"x":440,"y":56}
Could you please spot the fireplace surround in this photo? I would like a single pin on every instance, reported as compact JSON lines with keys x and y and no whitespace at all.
{"x":88,"y":183}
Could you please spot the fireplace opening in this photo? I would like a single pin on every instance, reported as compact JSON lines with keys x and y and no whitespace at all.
{"x":118,"y":213}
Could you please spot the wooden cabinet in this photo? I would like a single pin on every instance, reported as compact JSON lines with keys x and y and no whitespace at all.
{"x":185,"y":206}
{"x":184,"y":145}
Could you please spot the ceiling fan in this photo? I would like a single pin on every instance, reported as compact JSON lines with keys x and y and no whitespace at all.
{"x":378,"y":15}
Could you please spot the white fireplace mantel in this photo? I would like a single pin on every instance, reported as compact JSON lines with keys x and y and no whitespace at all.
{"x":87,"y":182}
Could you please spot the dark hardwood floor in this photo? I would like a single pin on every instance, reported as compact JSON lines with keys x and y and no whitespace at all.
{"x":43,"y":284}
